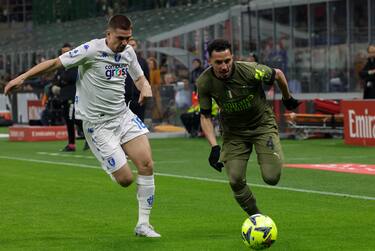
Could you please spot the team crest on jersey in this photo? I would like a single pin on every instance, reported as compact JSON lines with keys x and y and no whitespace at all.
{"x":117,"y":57}
{"x":86,"y":46}
{"x":73,"y":53}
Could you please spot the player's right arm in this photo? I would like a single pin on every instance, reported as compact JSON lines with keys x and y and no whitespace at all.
{"x":205,"y":102}
{"x":208,"y":129}
{"x":39,"y":69}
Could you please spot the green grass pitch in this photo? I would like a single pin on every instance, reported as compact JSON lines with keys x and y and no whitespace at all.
{"x":51,"y":200}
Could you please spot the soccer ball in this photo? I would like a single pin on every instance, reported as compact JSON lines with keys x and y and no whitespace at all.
{"x":259,"y":232}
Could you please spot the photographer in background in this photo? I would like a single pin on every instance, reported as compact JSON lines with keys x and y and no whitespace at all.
{"x":368,"y":74}
{"x":66,"y":80}
{"x":131,"y":91}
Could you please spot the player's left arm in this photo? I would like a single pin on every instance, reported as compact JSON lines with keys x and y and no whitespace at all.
{"x":289,"y":102}
{"x":282,"y":83}
{"x":39,"y":69}
{"x":144,"y":87}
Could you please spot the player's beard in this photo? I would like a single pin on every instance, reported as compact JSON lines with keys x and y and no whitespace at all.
{"x":224,"y":74}
{"x":120,"y":48}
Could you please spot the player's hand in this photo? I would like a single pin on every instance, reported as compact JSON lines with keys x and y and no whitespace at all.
{"x":12,"y":85}
{"x":291,"y":103}
{"x":145,"y":93}
{"x":214,"y":158}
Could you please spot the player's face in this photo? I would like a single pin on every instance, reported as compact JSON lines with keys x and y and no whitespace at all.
{"x":117,"y":39}
{"x":222,"y":62}
{"x":371,"y":51}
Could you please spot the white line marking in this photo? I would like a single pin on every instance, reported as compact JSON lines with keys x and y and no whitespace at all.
{"x":361,"y":197}
{"x":72,"y":155}
{"x":67,"y":155}
{"x":4,"y":136}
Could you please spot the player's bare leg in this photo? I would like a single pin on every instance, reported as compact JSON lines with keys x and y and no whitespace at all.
{"x":123,"y":176}
{"x":139,"y":151}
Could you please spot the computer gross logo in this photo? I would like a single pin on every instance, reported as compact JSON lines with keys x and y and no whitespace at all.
{"x":115,"y":71}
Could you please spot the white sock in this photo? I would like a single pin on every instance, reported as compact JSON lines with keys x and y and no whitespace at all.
{"x":145,"y":196}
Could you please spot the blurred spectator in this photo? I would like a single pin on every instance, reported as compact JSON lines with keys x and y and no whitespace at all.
{"x":191,"y":118}
{"x":167,"y":97}
{"x":359,"y":62}
{"x":368,"y":74}
{"x":131,"y":91}
{"x":295,"y":86}
{"x":252,"y":57}
{"x":52,"y":113}
{"x":163,"y":72}
{"x":66,"y":80}
{"x":2,"y":83}
{"x":197,"y":70}
{"x":183,"y":96}
{"x":154,"y":71}
{"x":336,"y":83}
{"x":169,"y":79}
{"x":155,"y":82}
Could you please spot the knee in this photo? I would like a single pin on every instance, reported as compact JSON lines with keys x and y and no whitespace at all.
{"x":272,"y":180}
{"x":146,"y":167}
{"x":237,"y":184}
{"x":125,"y":181}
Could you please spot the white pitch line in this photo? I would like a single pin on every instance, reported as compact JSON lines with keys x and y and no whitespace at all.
{"x":66,"y":155}
{"x":4,"y":136}
{"x":354,"y":196}
{"x":92,"y":157}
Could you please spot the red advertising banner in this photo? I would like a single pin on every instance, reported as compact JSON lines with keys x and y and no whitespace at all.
{"x":359,"y":122}
{"x":37,"y":133}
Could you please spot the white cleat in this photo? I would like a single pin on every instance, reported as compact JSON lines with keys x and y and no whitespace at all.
{"x":146,"y":230}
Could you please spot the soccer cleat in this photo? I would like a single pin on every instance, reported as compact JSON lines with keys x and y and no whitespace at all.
{"x":146,"y":230}
{"x":69,"y":148}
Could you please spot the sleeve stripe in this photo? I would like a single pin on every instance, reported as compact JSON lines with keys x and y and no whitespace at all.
{"x":206,"y":112}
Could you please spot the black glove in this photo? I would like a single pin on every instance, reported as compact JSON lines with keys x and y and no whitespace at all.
{"x":214,"y":158}
{"x":291,"y":103}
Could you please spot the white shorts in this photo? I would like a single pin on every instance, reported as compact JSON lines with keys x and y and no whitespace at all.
{"x":105,"y":139}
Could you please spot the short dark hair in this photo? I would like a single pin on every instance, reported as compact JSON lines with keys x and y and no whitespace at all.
{"x":254,"y":55}
{"x":66,"y":45}
{"x":120,"y":22}
{"x":218,"y":45}
{"x":197,"y":60}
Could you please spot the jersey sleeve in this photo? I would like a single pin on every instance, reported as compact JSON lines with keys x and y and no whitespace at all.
{"x":78,"y":55}
{"x":262,"y":73}
{"x":135,"y":70}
